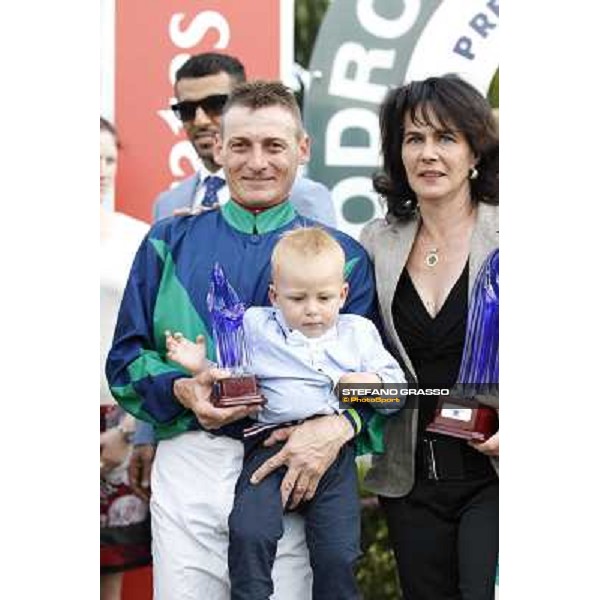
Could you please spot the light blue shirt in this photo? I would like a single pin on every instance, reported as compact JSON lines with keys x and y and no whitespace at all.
{"x":297,"y":374}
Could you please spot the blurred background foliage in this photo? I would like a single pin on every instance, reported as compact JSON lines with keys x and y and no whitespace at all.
{"x":376,"y":573}
{"x":308,"y":17}
{"x":494,"y":90}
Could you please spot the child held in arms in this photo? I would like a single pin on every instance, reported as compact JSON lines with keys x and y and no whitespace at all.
{"x":300,"y":349}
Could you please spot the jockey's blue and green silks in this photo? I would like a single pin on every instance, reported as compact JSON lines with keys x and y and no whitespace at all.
{"x":167,"y":290}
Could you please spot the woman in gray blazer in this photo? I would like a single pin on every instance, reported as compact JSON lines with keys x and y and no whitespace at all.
{"x":440,"y":181}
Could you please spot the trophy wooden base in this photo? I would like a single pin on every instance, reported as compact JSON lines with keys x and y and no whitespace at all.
{"x":237,"y":391}
{"x":464,"y":418}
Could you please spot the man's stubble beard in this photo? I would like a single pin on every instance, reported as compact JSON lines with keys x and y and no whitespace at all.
{"x":206,"y":155}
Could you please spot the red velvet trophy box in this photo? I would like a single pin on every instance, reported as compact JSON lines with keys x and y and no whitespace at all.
{"x":464,"y":418}
{"x":237,"y":391}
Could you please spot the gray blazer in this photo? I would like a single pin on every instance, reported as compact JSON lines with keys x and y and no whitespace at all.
{"x":310,"y":199}
{"x":389,"y":243}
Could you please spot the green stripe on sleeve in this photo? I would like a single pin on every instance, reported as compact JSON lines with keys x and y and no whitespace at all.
{"x":182,"y":424}
{"x":173,"y":309}
{"x":131,"y":402}
{"x":352,"y":412}
{"x":349,"y":266}
{"x":149,"y":362}
{"x":129,"y":399}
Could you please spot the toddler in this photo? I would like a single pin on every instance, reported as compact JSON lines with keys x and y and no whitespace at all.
{"x":300,"y":349}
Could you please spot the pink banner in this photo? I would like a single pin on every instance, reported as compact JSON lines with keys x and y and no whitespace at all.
{"x":152,"y":40}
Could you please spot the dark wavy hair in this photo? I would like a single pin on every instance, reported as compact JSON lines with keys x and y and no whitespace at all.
{"x":456,"y":105}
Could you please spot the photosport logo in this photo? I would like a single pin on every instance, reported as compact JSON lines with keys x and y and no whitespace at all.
{"x":364,"y":47}
{"x":380,"y":396}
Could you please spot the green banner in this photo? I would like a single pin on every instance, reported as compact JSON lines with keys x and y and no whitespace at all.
{"x":364,"y":47}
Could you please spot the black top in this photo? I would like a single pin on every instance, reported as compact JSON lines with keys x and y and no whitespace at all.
{"x":434,"y":346}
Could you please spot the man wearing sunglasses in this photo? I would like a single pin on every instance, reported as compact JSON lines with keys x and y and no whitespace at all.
{"x":202,"y":85}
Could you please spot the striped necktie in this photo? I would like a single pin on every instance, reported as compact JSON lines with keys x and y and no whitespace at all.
{"x":212,"y":185}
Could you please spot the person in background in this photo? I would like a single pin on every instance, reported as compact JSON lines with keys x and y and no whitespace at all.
{"x":439,"y":494}
{"x":124,"y":519}
{"x":261,"y":146}
{"x":202,"y":85}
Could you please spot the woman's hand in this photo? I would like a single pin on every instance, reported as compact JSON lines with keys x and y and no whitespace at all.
{"x":113,"y":449}
{"x":491,"y":446}
{"x":309,"y":451}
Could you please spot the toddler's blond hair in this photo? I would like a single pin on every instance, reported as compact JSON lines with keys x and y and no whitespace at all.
{"x":306,"y":242}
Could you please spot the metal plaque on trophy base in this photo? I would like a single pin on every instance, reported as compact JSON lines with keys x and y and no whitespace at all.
{"x":464,"y":418}
{"x":227,"y":312}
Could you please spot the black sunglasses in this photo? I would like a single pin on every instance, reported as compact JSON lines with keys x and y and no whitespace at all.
{"x":211,"y":105}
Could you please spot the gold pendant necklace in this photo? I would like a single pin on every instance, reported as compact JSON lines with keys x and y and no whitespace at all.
{"x":432,"y":258}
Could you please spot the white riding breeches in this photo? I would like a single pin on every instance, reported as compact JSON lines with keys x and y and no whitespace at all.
{"x":193,"y":483}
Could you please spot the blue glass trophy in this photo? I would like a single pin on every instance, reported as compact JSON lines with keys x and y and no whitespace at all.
{"x":460,"y":415}
{"x":227,"y":313}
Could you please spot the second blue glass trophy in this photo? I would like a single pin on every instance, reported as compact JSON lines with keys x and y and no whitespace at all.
{"x":227,"y":313}
{"x":460,"y":414}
